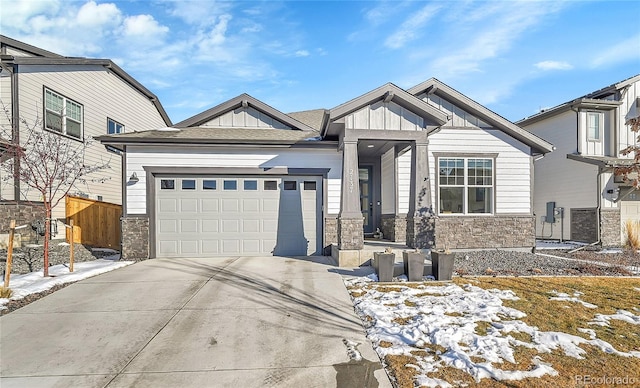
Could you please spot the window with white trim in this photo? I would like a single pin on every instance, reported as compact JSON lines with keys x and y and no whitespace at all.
{"x":594,"y":125}
{"x":62,"y":115}
{"x":465,"y":185}
{"x":114,"y":127}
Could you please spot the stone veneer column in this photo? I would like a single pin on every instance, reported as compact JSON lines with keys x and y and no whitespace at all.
{"x":350,"y":222}
{"x":420,"y":223}
{"x":135,"y":238}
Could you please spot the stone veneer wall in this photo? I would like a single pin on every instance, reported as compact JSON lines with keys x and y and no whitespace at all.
{"x":484,"y":232}
{"x":135,"y":238}
{"x":350,"y":235}
{"x":330,"y":233}
{"x":610,"y":226}
{"x":421,"y":232}
{"x":394,"y":227}
{"x":584,"y":225}
{"x":24,"y":213}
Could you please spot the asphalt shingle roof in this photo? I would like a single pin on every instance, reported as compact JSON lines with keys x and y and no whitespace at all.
{"x":213,"y":135}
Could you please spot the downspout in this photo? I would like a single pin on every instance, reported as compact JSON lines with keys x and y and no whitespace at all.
{"x":599,"y":207}
{"x":15,"y":128}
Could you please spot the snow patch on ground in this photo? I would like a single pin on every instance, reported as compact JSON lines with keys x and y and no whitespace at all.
{"x":574,"y":299}
{"x":448,"y":316}
{"x":621,"y":315}
{"x":34,"y":282}
{"x":550,"y":244}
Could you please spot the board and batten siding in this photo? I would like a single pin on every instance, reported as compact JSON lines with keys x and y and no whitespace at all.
{"x":626,"y":136}
{"x":388,"y":181}
{"x":384,"y":115}
{"x":103,"y":95}
{"x":568,"y":183}
{"x":140,"y":157}
{"x":244,"y":118}
{"x":459,"y":117}
{"x":404,"y":181}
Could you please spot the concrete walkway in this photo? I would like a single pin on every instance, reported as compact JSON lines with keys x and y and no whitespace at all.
{"x":241,"y":322}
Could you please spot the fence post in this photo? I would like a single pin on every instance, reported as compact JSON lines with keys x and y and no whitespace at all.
{"x":7,"y":271}
{"x":71,"y":250}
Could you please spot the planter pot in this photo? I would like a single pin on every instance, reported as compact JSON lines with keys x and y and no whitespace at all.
{"x":413,"y":265}
{"x":442,"y":265}
{"x":383,"y":264}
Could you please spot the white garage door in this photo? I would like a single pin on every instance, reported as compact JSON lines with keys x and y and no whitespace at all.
{"x":238,"y":216}
{"x":629,"y":210}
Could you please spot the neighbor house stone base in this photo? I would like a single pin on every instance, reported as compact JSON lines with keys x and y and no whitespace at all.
{"x":330,"y":233}
{"x":24,"y":213}
{"x":610,"y":228}
{"x":421,"y":232}
{"x":469,"y":232}
{"x":350,"y":234}
{"x":394,"y":227}
{"x":135,"y":238}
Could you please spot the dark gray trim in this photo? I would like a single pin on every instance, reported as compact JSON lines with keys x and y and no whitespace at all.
{"x":123,"y":185}
{"x":604,"y":162}
{"x":236,"y":102}
{"x":532,"y":184}
{"x":578,"y":103}
{"x":151,"y":211}
{"x":6,"y":41}
{"x":493,"y":155}
{"x":372,"y":134}
{"x":117,"y":142}
{"x":15,"y":128}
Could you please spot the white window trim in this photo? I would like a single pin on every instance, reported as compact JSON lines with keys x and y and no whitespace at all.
{"x":600,"y":116}
{"x":466,"y":186}
{"x":63,"y":115}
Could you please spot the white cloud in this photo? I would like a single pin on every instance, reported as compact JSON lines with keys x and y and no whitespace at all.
{"x":553,"y":65}
{"x":410,"y":29}
{"x":626,"y":51}
{"x":92,"y":14}
{"x":302,"y":53}
{"x":144,"y":26}
{"x":197,"y":12}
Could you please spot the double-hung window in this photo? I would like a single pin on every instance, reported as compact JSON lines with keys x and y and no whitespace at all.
{"x":465,"y":185}
{"x":62,"y":115}
{"x":594,"y":125}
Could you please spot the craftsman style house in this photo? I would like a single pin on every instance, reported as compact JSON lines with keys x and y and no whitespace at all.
{"x":427,"y":166}
{"x":78,"y":98}
{"x":577,"y":196}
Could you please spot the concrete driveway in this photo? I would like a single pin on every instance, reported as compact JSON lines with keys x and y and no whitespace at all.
{"x":238,"y":322}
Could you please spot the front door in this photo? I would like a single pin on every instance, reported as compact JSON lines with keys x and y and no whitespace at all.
{"x":366,"y":197}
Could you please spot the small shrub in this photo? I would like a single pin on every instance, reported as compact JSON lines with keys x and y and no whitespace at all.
{"x":633,"y":234}
{"x":5,"y":292}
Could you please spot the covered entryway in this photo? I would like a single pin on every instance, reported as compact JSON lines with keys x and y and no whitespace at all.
{"x":199,"y":216}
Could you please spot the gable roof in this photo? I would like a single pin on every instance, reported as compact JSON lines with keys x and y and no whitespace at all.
{"x":315,"y":118}
{"x":389,"y":92}
{"x":592,"y":100}
{"x":242,"y":100}
{"x":445,"y":91}
{"x":43,"y":57}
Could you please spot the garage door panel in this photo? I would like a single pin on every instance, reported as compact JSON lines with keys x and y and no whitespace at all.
{"x":209,"y":205}
{"x":238,"y":216}
{"x":210,"y":226}
{"x":188,"y":205}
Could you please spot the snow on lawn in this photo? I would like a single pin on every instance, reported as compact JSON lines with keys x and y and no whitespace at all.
{"x":621,"y":315}
{"x":398,"y":322}
{"x":575,"y":298}
{"x":34,"y":282}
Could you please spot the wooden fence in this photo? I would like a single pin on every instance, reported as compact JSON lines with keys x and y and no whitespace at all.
{"x":95,"y":223}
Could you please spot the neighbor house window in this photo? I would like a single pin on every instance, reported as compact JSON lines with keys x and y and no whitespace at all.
{"x":62,"y":114}
{"x":465,"y":185}
{"x":594,"y":125}
{"x":114,"y":127}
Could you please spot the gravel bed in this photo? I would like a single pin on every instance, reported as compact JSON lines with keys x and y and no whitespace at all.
{"x":508,"y":263}
{"x":27,"y":260}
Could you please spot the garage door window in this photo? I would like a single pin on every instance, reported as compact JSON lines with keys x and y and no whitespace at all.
{"x":167,"y":184}
{"x":290,"y":185}
{"x":230,"y":185}
{"x":188,"y":184}
{"x":208,"y":184}
{"x":251,"y":185}
{"x":309,"y":185}
{"x":270,"y":185}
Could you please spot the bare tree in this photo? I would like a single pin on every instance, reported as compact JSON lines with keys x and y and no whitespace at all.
{"x":631,"y":173}
{"x":47,"y":162}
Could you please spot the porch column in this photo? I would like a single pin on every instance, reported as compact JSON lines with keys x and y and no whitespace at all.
{"x":350,"y":222}
{"x":420,"y":221}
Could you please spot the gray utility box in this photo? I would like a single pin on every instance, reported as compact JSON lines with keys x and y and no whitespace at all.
{"x":413,"y":265}
{"x":442,"y":265}
{"x":383,"y":264}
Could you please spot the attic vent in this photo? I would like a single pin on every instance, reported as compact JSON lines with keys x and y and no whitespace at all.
{"x":245,"y":104}
{"x":388,"y":96}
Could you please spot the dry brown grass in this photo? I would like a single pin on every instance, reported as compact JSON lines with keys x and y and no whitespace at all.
{"x":5,"y":292}
{"x":632,"y":229}
{"x":609,"y":294}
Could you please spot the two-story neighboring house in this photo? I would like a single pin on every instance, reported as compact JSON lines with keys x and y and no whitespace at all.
{"x":577,"y":195}
{"x":78,"y":98}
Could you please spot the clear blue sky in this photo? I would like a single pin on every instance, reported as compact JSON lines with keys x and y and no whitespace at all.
{"x":514,"y":57}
